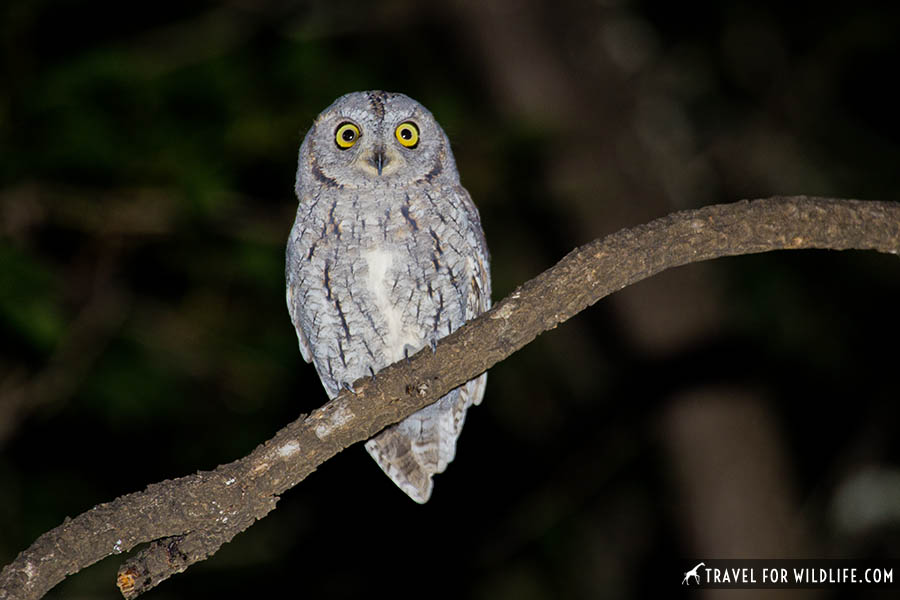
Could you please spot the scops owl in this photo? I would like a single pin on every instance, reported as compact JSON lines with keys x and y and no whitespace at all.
{"x":386,"y":256}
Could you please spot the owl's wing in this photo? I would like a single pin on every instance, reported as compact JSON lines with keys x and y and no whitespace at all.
{"x":479,"y":265}
{"x":422,"y":445}
{"x":293,"y":291}
{"x":301,"y":337}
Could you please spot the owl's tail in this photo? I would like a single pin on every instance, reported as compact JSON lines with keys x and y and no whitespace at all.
{"x":415,"y":449}
{"x":393,"y":452}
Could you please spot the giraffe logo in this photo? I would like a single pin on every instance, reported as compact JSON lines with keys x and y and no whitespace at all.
{"x":692,"y":573}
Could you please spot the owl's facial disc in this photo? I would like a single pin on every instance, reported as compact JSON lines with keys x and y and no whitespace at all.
{"x":377,"y":138}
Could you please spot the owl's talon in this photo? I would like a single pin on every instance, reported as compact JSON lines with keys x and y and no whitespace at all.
{"x":433,"y":345}
{"x":348,"y":386}
{"x":407,"y":349}
{"x":372,"y":371}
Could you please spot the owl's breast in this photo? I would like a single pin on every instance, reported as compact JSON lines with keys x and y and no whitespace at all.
{"x":409,"y":285}
{"x":378,"y":277}
{"x":382,"y":283}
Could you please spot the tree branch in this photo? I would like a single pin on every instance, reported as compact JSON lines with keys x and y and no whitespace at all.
{"x":189,"y":518}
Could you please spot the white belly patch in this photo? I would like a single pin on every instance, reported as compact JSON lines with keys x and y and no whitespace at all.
{"x":396,"y":335}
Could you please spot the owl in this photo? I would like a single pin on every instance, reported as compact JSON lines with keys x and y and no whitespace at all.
{"x":386,"y":256}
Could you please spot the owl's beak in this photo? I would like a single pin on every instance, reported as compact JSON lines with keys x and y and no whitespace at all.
{"x":378,"y":159}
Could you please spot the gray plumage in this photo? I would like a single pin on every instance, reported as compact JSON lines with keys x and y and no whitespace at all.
{"x":386,"y":256}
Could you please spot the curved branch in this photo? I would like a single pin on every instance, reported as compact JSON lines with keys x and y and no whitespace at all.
{"x":189,"y":518}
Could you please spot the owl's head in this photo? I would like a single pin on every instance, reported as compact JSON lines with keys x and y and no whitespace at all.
{"x":376,"y":138}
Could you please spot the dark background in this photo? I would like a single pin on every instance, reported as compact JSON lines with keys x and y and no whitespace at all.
{"x":741,"y":408}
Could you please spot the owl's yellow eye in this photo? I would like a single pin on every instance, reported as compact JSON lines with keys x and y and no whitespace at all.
{"x":346,"y":135}
{"x":407,"y":134}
